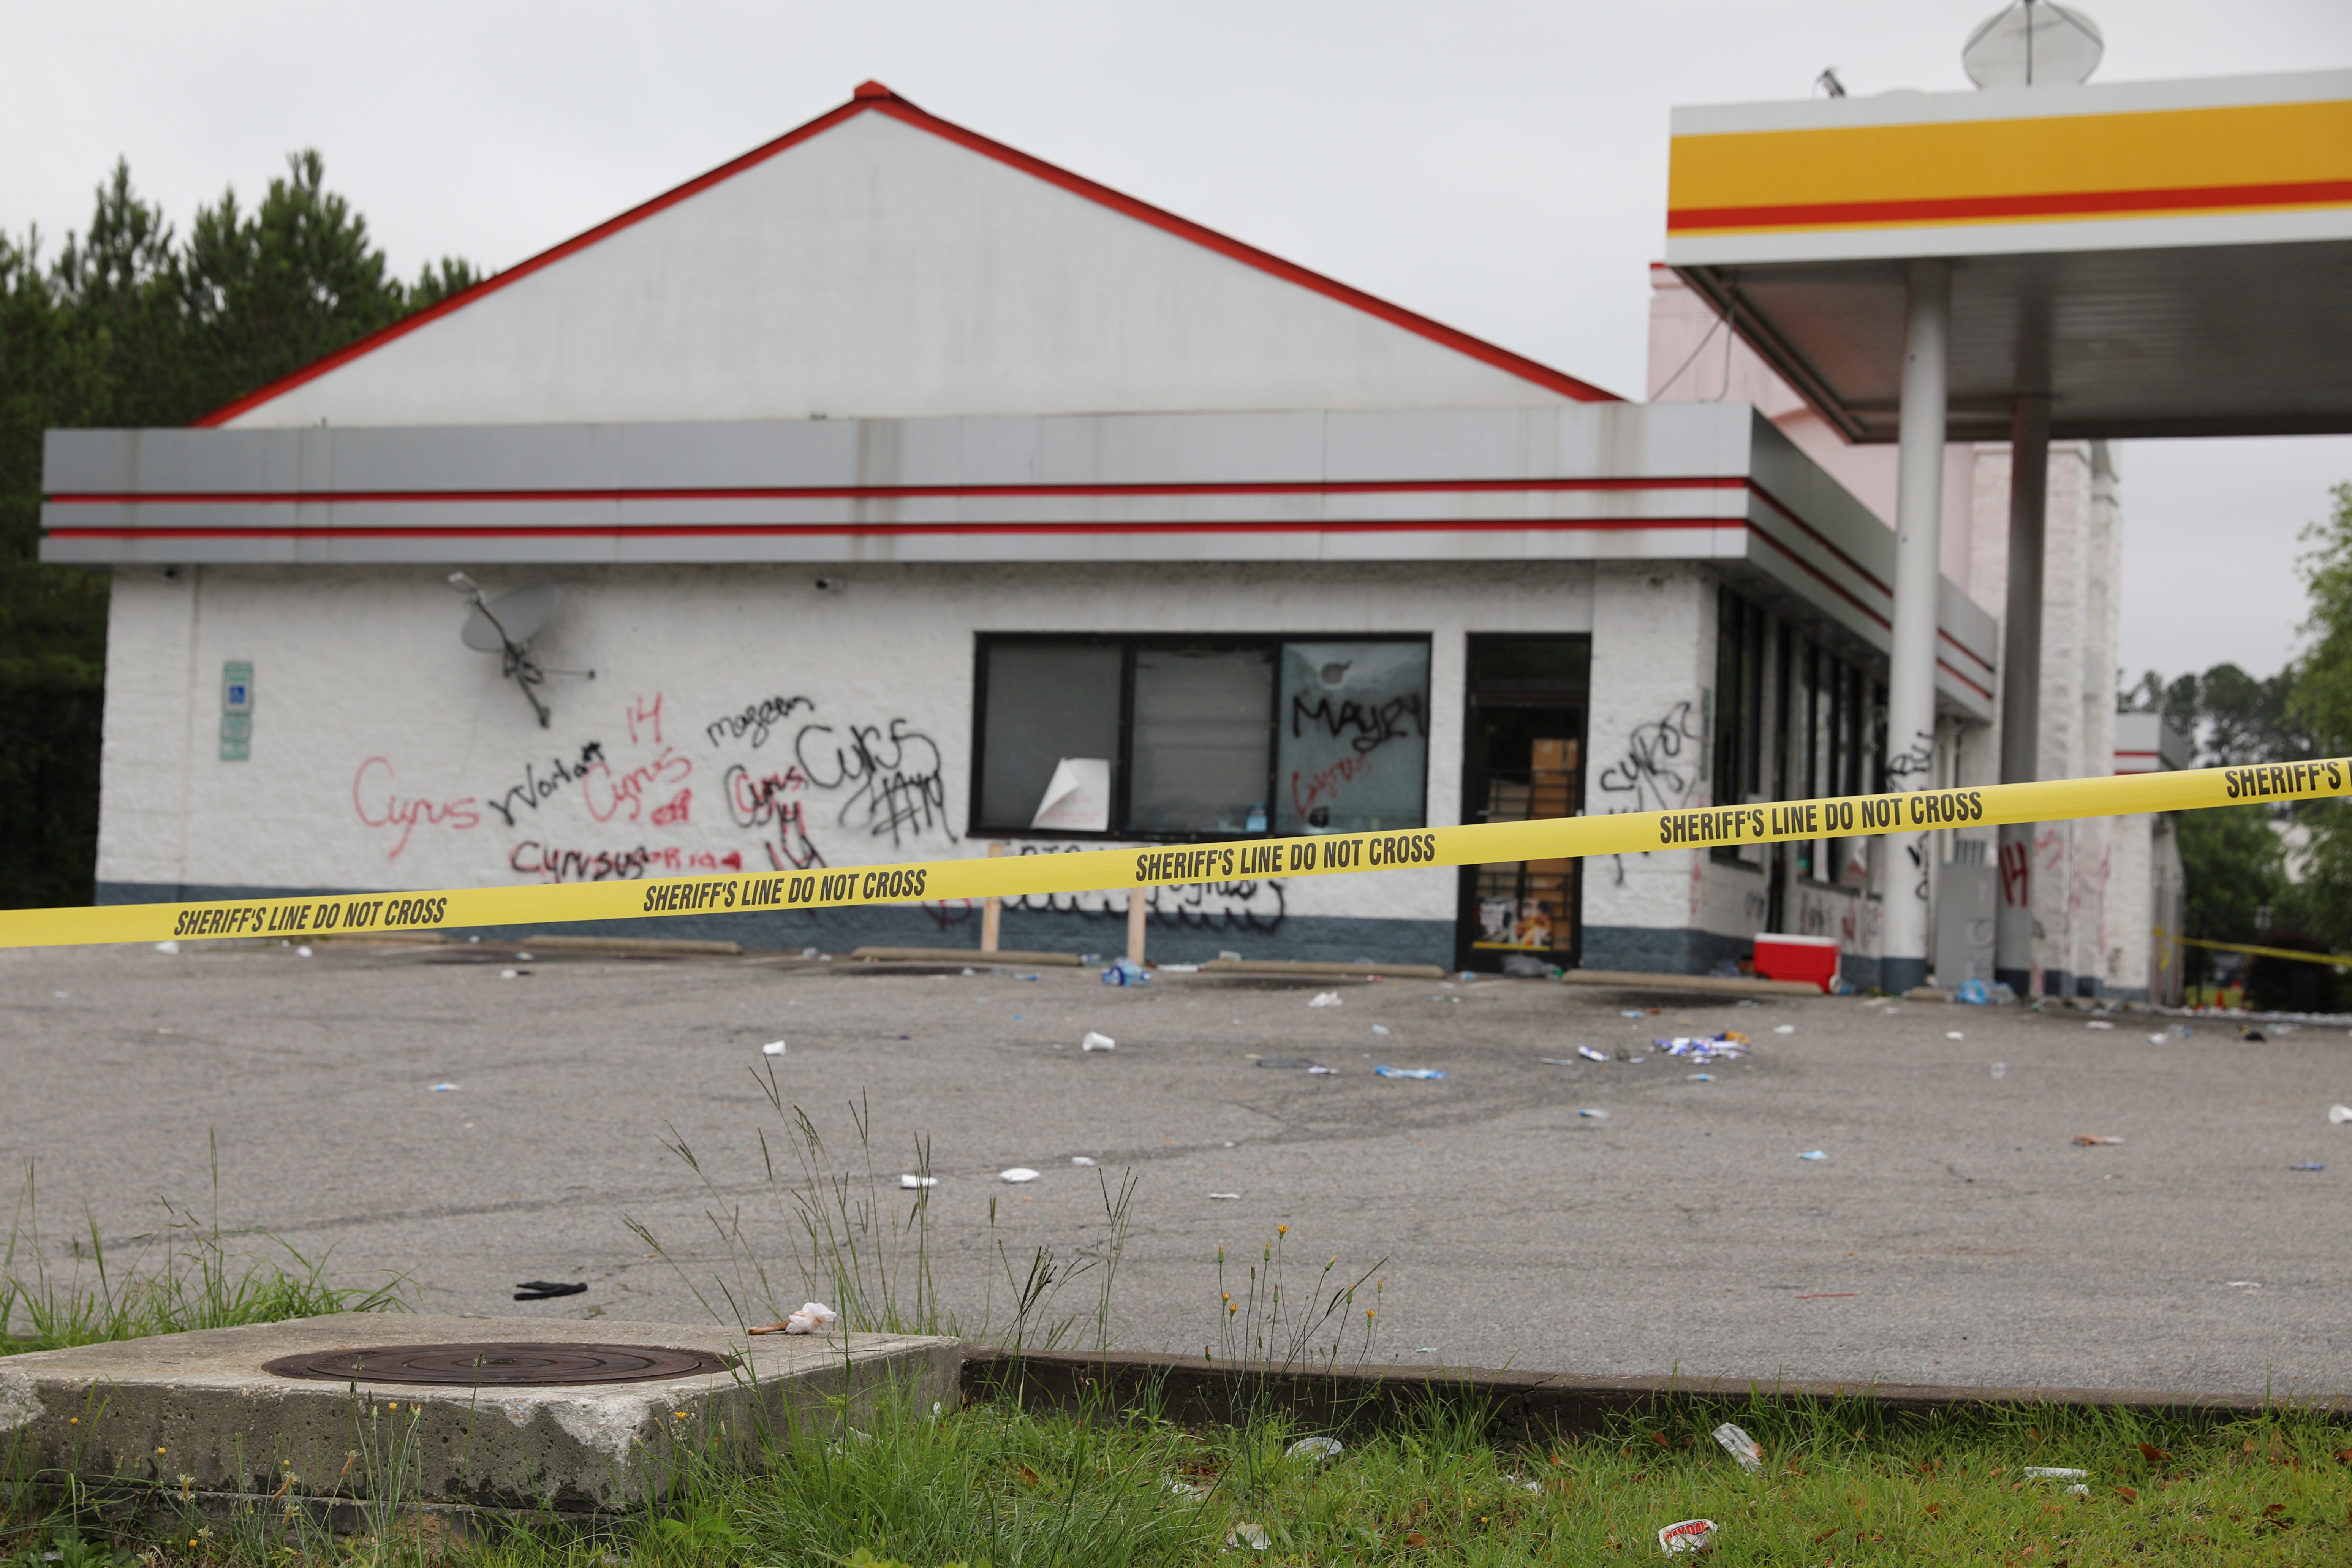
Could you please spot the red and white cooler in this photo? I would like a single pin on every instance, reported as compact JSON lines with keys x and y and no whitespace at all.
{"x":1812,"y":959}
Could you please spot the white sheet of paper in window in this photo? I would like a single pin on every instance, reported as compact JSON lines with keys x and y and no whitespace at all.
{"x":1077,"y":798}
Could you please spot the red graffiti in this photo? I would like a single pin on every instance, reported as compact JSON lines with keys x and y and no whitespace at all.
{"x":1346,"y":771}
{"x":626,"y":792}
{"x":2016,"y":876}
{"x":551,"y":864}
{"x":391,"y":809}
{"x":645,"y":719}
{"x":675,"y":812}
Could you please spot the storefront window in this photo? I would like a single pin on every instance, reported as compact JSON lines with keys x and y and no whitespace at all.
{"x":1208,"y":737}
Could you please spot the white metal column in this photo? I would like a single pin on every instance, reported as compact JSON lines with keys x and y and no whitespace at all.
{"x":1911,"y":683}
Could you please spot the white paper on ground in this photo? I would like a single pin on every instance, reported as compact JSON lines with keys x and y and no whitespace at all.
{"x":1077,"y":798}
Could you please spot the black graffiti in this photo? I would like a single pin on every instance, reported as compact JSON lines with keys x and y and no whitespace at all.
{"x":1241,"y":905}
{"x":534,"y":789}
{"x":1365,"y":727}
{"x":1916,"y":763}
{"x":756,"y":720}
{"x":901,"y":785}
{"x":1649,"y":771}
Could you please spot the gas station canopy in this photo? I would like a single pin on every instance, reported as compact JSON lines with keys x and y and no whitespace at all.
{"x":2158,"y":258}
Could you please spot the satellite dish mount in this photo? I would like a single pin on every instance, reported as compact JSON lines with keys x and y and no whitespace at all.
{"x":506,"y":625}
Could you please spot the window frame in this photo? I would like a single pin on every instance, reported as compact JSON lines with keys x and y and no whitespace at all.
{"x":1122,"y":765}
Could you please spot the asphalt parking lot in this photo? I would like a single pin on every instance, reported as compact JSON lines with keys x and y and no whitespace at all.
{"x":1953,"y":1231}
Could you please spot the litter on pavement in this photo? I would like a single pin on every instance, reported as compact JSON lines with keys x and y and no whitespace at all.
{"x":443,"y":1087}
{"x":1730,"y":1046}
{"x":1595,"y":1115}
{"x":813,"y":1317}
{"x":1226,"y":1197}
{"x":1702,"y":1077}
{"x":915,"y":1183}
{"x":1325,"y":999}
{"x":167,"y":948}
{"x":1973,"y":991}
{"x":2099,"y":1024}
{"x":1018,"y":1174}
{"x":2160,"y":1039}
{"x":1740,"y":1447}
{"x":1408,"y":1072}
{"x":1315,"y":1448}
{"x":1784,"y":1028}
{"x":2307,"y":1165}
{"x":1292,"y":1063}
{"x":1954,"y":1035}
{"x":1814,"y":1154}
{"x":1631,"y":1013}
{"x":1379,"y":1029}
{"x":2001,"y":1069}
{"x":1689,"y":1535}
{"x":2094,"y":1139}
{"x":2338,"y":1115}
{"x":547,"y":1289}
{"x":1126,"y":971}
{"x":1589,"y":1054}
{"x":772,"y":1048}
{"x":1094,"y":1042}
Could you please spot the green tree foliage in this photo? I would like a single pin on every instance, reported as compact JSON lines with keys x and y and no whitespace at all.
{"x":2322,"y":704}
{"x":129,"y":326}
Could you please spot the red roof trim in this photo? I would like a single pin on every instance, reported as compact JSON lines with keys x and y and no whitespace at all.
{"x":874,"y":97}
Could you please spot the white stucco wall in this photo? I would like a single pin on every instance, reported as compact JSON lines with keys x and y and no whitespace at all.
{"x":385,"y":755}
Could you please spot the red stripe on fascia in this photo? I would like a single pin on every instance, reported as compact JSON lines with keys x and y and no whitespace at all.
{"x":2048,"y":204}
{"x":884,"y":492}
{"x":1841,"y":590}
{"x":742,"y":530}
{"x":901,"y":109}
{"x":1858,"y":569}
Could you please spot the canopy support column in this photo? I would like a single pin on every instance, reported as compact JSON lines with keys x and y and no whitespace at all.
{"x":2021,"y":681}
{"x":1918,"y":545}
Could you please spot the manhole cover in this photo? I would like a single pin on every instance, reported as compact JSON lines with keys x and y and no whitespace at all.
{"x":502,"y":1364}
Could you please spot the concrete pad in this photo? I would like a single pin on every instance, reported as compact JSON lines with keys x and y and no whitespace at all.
{"x":195,"y":1414}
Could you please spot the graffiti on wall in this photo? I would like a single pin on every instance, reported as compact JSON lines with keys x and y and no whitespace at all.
{"x":788,"y":777}
{"x":1242,"y":905}
{"x":1656,"y":771}
{"x":379,"y":803}
{"x":1659,"y":766}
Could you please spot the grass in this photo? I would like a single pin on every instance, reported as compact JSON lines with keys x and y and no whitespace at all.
{"x":999,"y":1485}
{"x":189,"y":1273}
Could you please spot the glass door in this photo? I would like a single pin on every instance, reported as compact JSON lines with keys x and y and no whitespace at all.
{"x":1522,"y":760}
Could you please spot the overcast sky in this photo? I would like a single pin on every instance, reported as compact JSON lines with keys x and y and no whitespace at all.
{"x":1499,"y":164}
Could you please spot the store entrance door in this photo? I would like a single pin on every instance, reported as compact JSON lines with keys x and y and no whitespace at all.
{"x":1522,"y":759}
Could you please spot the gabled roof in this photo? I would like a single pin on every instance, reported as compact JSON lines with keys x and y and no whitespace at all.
{"x":1092,"y":311}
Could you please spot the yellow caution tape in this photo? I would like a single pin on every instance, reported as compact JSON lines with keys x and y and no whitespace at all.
{"x":976,"y":877}
{"x":2340,"y":960}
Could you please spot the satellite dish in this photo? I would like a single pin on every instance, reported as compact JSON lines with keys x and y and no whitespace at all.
{"x":2034,"y":43}
{"x":515,"y":616}
{"x":505,"y":626}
